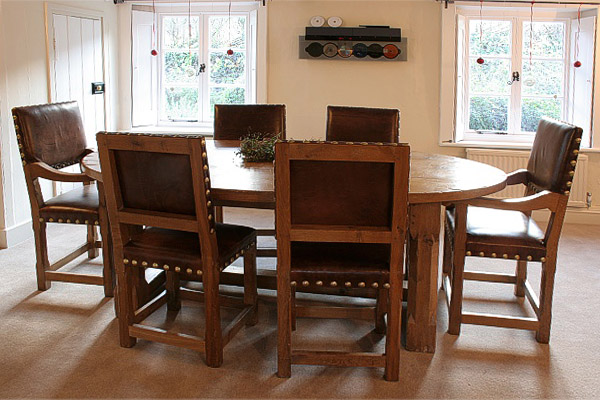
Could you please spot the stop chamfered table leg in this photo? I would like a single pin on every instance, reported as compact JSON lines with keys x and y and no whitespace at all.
{"x":423,"y":251}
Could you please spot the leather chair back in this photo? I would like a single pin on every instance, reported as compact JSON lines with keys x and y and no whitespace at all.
{"x":51,"y":133}
{"x":360,"y":124}
{"x":234,"y":121}
{"x":555,"y":144}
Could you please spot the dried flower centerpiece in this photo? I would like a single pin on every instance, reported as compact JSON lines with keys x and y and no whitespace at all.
{"x":258,"y":147}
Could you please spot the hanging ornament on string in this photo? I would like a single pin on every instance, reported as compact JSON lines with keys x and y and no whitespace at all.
{"x":230,"y":51}
{"x":577,"y":63}
{"x":530,"y":81}
{"x":153,"y":52}
{"x":191,"y":71}
{"x":480,"y":60}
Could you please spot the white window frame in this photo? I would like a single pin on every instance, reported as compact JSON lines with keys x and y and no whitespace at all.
{"x":450,"y":89}
{"x":256,"y":61}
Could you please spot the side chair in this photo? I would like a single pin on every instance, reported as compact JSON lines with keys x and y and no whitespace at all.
{"x":504,"y":229}
{"x":345,"y":229}
{"x":52,"y":137}
{"x":362,"y":124}
{"x":158,"y":194}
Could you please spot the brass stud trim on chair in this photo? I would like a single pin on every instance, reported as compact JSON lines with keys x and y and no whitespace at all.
{"x":493,"y":255}
{"x":205,"y":168}
{"x":155,"y":265}
{"x":77,"y":221}
{"x":567,"y":192}
{"x":144,"y":263}
{"x":207,"y":192}
{"x":134,"y":262}
{"x":386,"y":285}
{"x":504,"y":255}
{"x":361,"y":284}
{"x":569,"y":184}
{"x":529,"y":258}
{"x":571,"y":173}
{"x":212,"y":230}
{"x":68,"y":221}
{"x":348,"y":284}
{"x":573,"y":163}
{"x":189,"y":271}
{"x":210,"y":217}
{"x":375,"y":285}
{"x":208,"y":203}
{"x":177,"y":269}
{"x":319,"y":283}
{"x":96,"y":223}
{"x":166,"y":267}
{"x":50,"y":219}
{"x":293,"y":283}
{"x":481,"y":254}
{"x":199,"y":272}
{"x":468,"y":253}
{"x":206,"y":180}
{"x":305,"y":283}
{"x":41,"y":220}
{"x":575,"y":152}
{"x":204,"y":155}
{"x":125,"y":261}
{"x":333,"y":284}
{"x":578,"y":140}
{"x":517,"y":257}
{"x":86,"y":222}
{"x":543,"y":259}
{"x":242,"y":252}
{"x":60,"y":220}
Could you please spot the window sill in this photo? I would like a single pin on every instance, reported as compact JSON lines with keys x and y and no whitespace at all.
{"x":196,"y":130}
{"x":504,"y":146}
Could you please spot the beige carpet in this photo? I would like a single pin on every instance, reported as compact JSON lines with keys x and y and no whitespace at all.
{"x":63,"y":343}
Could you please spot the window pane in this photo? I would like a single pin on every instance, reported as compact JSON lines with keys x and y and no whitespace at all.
{"x":488,"y":113}
{"x":226,"y":68}
{"x":176,"y":32}
{"x":491,"y":77}
{"x":180,"y":67}
{"x":543,"y":78}
{"x":226,"y":95}
{"x":181,"y":104}
{"x":221,"y":38}
{"x":534,"y":109}
{"x":548,"y":39}
{"x":495,"y":38}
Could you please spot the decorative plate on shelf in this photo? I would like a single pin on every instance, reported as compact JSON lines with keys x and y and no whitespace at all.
{"x":334,"y":22}
{"x":317,"y":21}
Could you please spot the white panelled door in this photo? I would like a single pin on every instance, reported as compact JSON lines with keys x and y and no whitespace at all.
{"x":77,"y":61}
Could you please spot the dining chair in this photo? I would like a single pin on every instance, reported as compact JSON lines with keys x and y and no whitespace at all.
{"x":345,"y":229}
{"x":234,"y":121}
{"x":159,"y":200}
{"x":504,"y":229}
{"x":362,"y":124}
{"x":52,"y":137}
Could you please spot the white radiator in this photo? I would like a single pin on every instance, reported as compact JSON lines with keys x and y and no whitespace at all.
{"x":510,"y":160}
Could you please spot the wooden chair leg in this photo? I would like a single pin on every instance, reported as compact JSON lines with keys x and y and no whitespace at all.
{"x":521,"y":274}
{"x":108,"y":270}
{"x":293,"y":308}
{"x":392,"y":340}
{"x":457,"y":271}
{"x":381,"y":308}
{"x":172,"y":285}
{"x":284,"y":315}
{"x":213,"y":335}
{"x":41,"y":255}
{"x":92,"y":237}
{"x":125,"y":296}
{"x":546,"y":293}
{"x":250,"y":286}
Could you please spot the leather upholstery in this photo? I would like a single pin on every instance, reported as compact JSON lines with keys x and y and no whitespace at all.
{"x":51,"y":133}
{"x":79,"y":204}
{"x":155,"y":181}
{"x":361,"y":192}
{"x":552,"y":149}
{"x":341,"y":262}
{"x":360,"y":124}
{"x":234,"y":121}
{"x":501,"y":232}
{"x":182,"y":249}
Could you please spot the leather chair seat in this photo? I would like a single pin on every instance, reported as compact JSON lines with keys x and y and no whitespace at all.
{"x":79,"y":204}
{"x":489,"y":228}
{"x":340,"y":262}
{"x":182,"y":249}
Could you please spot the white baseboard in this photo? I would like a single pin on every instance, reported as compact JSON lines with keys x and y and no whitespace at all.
{"x":15,"y":234}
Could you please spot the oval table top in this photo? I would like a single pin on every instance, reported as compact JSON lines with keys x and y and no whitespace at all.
{"x":434,"y":178}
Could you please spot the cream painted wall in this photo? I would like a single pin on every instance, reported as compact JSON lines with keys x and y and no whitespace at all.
{"x":23,"y":81}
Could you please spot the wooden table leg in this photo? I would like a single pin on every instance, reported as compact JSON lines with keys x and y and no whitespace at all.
{"x":423,"y":250}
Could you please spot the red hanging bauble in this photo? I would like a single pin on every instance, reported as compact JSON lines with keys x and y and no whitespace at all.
{"x":229,"y":52}
{"x":154,"y":52}
{"x":480,"y":60}
{"x":577,"y":64}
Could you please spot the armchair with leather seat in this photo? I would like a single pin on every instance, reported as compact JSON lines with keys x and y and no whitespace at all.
{"x":504,"y":229}
{"x":52,"y":137}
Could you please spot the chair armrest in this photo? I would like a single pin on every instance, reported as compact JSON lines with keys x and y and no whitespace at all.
{"x":42,"y":170}
{"x":516,"y":177}
{"x":542,"y":200}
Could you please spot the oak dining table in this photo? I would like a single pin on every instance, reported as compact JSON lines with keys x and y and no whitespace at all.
{"x":435,"y":180}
